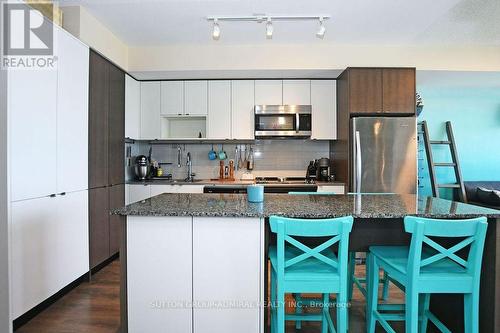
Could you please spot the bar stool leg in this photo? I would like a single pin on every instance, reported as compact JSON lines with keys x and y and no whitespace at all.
{"x":342,"y":317}
{"x":411,"y":309}
{"x":324,"y":322}
{"x":298,"y":310}
{"x":425,"y":307}
{"x":280,"y":322}
{"x":372,"y":280}
{"x":351,"y":271}
{"x":471,"y":312}
{"x":273,"y":302}
{"x":385,"y":290}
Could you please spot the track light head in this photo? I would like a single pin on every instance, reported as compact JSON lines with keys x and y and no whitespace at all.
{"x":269,"y":28}
{"x":322,"y":29}
{"x":216,"y":31}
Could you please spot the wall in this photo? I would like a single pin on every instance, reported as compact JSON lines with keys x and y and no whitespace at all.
{"x":5,"y":322}
{"x":272,"y":157}
{"x":87,"y":28}
{"x":311,"y":56}
{"x":471,"y":101}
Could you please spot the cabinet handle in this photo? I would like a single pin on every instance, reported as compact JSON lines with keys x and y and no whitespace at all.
{"x":53,"y":195}
{"x":187,"y":114}
{"x":179,"y":114}
{"x":62,"y":193}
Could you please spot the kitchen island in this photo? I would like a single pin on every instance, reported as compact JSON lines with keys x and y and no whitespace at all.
{"x":197,"y":262}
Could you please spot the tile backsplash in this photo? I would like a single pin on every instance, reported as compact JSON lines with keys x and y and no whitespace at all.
{"x":271,"y":157}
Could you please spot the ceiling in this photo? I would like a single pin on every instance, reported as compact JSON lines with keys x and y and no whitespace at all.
{"x":359,"y":22}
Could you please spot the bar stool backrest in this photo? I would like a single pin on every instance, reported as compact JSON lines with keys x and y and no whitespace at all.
{"x":473,"y":232}
{"x":337,"y":229}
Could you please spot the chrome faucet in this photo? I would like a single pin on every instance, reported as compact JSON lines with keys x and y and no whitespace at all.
{"x":189,"y":163}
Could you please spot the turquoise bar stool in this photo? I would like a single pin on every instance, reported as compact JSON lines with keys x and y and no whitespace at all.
{"x":297,"y":268}
{"x":426,"y":267}
{"x":359,"y":282}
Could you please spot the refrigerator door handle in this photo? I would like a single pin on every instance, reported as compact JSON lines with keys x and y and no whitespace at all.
{"x":297,"y":123}
{"x":359,"y":162}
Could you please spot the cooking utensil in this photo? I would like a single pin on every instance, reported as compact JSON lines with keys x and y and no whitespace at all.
{"x":241,"y":165}
{"x":212,"y":155}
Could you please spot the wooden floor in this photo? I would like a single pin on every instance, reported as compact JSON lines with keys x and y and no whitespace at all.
{"x":92,"y":307}
{"x":95,"y":307}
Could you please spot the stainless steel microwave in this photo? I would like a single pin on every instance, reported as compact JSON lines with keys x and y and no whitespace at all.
{"x":282,"y":121}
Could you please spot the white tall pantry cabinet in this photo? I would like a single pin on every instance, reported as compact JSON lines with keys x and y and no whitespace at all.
{"x":48,"y":129}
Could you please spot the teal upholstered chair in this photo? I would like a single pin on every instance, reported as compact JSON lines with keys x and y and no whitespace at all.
{"x":426,"y":267}
{"x":297,"y":268}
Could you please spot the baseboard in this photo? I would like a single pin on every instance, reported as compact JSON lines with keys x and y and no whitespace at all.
{"x":30,"y":314}
{"x":105,"y":263}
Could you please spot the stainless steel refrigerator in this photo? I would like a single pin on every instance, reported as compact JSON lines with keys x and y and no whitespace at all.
{"x":384,"y":155}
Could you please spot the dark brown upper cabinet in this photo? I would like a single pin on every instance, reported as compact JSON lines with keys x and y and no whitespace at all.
{"x":398,"y":90}
{"x":365,"y":90}
{"x":380,"y":90}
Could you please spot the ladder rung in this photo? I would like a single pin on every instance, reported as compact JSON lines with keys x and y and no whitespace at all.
{"x":445,"y":164}
{"x":434,"y":142}
{"x":449,"y":185}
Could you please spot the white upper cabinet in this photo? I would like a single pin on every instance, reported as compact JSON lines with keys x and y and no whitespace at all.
{"x":172,"y":98}
{"x":72,"y":114}
{"x":268,"y":92}
{"x":150,"y":110}
{"x":324,"y":109}
{"x":195,"y":98}
{"x":243,"y":102}
{"x":219,"y":110}
{"x":33,"y":132}
{"x":296,"y":92}
{"x":132,"y":108}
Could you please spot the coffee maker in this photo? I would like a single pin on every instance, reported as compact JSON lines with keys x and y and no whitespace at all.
{"x":323,"y":170}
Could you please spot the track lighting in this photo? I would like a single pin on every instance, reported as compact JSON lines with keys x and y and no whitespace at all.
{"x":321,"y":30}
{"x":216,"y":31}
{"x":269,"y":28}
{"x":260,"y":18}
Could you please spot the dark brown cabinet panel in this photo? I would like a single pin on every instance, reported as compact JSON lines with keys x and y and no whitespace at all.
{"x":116,"y":200}
{"x":99,"y":225}
{"x":365,"y":90}
{"x":106,"y":157}
{"x":116,"y":126}
{"x":398,"y":90}
{"x":98,"y":121}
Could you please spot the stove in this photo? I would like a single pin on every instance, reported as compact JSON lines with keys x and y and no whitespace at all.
{"x":283,"y":181}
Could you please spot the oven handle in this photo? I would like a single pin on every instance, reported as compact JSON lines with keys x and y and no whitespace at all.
{"x":297,"y":123}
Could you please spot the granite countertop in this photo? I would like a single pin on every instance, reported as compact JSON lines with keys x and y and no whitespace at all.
{"x":305,"y":206}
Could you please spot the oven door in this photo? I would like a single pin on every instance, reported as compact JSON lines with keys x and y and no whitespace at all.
{"x":283,"y":120}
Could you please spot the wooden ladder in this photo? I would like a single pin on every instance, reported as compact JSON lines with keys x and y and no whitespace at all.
{"x":459,"y":185}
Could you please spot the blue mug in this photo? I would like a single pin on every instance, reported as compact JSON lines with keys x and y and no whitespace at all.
{"x":212,"y":155}
{"x":255,"y":193}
